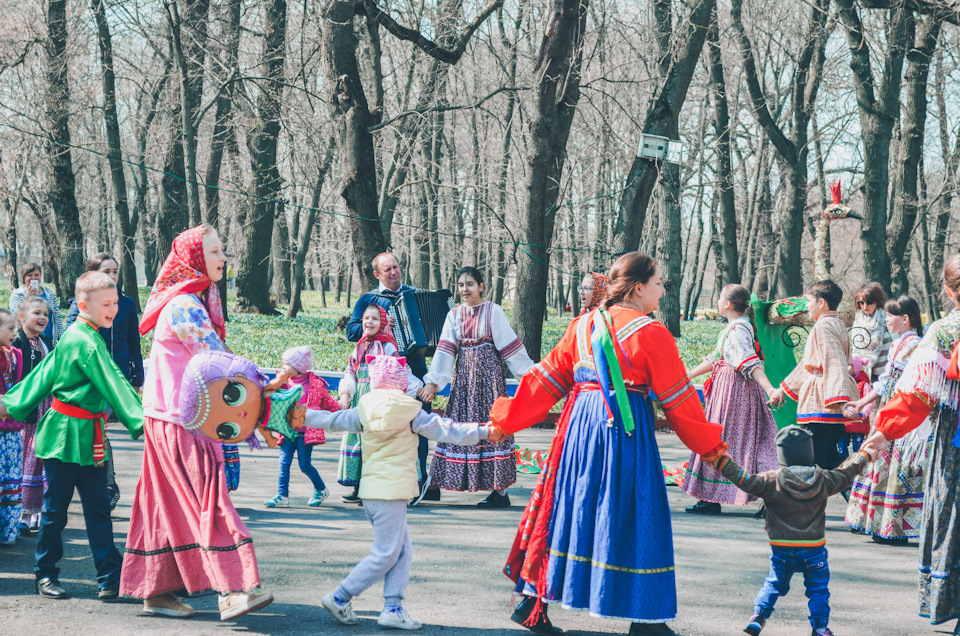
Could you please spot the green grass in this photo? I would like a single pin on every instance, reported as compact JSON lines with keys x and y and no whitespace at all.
{"x":264,"y":338}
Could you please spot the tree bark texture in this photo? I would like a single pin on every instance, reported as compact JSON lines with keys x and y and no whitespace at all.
{"x":61,"y":192}
{"x":253,"y":285}
{"x":551,"y":111}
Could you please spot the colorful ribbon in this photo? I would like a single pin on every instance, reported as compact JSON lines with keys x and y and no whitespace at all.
{"x":609,"y":371}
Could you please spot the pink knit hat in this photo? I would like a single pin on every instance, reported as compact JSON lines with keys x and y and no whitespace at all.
{"x":387,"y":372}
{"x":300,"y":358}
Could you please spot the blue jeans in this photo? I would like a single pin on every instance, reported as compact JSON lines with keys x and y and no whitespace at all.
{"x":287,"y":448}
{"x":784,"y":563}
{"x":91,"y":484}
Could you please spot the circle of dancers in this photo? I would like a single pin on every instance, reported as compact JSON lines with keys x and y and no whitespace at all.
{"x":877,"y":422}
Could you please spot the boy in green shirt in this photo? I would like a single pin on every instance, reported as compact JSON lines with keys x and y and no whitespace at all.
{"x":82,"y":377}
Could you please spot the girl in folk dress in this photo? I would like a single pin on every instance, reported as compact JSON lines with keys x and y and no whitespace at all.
{"x":477,"y":336}
{"x":11,"y":439}
{"x":930,"y":387}
{"x":34,"y":346}
{"x":591,"y":290}
{"x":869,"y":337}
{"x":887,"y":501}
{"x":736,"y":396}
{"x":185,"y":533}
{"x":375,"y":341}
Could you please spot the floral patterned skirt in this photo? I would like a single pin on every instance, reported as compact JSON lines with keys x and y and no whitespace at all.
{"x":11,"y":472}
{"x":477,"y":382}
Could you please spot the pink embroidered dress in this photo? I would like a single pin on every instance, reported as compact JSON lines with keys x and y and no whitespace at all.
{"x":185,"y":533}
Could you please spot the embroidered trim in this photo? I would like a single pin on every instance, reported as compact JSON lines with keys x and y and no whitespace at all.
{"x":607,"y":566}
{"x":511,"y":348}
{"x":191,"y":546}
{"x":633,"y":327}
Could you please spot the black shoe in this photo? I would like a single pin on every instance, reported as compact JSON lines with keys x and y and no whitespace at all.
{"x":755,"y":626}
{"x":24,"y":529}
{"x":113,"y":491}
{"x":50,"y":588}
{"x":956,"y":630}
{"x":543,"y":624}
{"x":699,"y":508}
{"x":353,"y":497}
{"x":762,"y":513}
{"x":108,"y":593}
{"x":432,"y":494}
{"x":891,"y":541}
{"x":651,"y":629}
{"x":495,"y":500}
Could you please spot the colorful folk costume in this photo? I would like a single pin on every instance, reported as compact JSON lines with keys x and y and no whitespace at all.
{"x":821,"y":385}
{"x":480,"y":340}
{"x":11,"y":451}
{"x":871,"y":340}
{"x":83,"y":379}
{"x":739,"y":403}
{"x":599,"y":289}
{"x":596,"y":534}
{"x":34,"y":482}
{"x":887,"y":501}
{"x":356,"y":382}
{"x":930,"y":387}
{"x":185,"y":533}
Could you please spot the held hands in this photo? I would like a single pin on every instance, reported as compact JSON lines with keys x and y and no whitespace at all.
{"x":428,"y":393}
{"x":776,"y":398}
{"x":297,"y":416}
{"x":876,"y":442}
{"x":851,"y":411}
{"x":871,"y":452}
{"x":344,"y":401}
{"x":494,"y":434}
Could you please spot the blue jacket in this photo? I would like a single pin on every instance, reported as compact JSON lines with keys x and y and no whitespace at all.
{"x":123,"y":339}
{"x":355,"y":326}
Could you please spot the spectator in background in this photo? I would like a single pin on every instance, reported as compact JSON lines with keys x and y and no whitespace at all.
{"x":31,"y":276}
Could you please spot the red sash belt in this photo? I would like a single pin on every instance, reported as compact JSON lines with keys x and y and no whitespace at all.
{"x":99,"y":426}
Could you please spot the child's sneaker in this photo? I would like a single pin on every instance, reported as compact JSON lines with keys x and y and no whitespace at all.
{"x":755,"y":625}
{"x":278,"y":501}
{"x":398,"y":619}
{"x":343,"y":613}
{"x":821,"y":632}
{"x":318,"y":497}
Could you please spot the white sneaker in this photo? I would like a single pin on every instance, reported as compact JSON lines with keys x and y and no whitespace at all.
{"x":278,"y":501}
{"x":398,"y":620}
{"x":318,"y":497}
{"x":343,"y":613}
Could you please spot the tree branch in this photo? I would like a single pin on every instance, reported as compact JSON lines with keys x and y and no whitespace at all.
{"x":431,"y":48}
{"x":946,"y":10}
{"x":418,"y":111}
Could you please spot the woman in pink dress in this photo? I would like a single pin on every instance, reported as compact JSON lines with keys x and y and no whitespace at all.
{"x":185,"y":533}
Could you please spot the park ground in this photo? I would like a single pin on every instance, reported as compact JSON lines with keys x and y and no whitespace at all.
{"x":457,"y":587}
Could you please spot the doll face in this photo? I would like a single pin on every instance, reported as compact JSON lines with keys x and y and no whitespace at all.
{"x":235,"y":405}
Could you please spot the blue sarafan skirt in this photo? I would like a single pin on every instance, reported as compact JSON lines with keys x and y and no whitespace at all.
{"x":611,"y":543}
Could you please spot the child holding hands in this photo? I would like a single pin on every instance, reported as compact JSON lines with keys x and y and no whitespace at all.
{"x":83,"y":379}
{"x":11,"y":443}
{"x":388,"y":421}
{"x":796,"y":499}
{"x":315,"y":395}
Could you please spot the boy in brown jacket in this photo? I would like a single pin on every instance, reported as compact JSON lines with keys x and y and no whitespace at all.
{"x":796,"y":499}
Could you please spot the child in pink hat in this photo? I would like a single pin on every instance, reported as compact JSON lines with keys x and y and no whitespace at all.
{"x":316,"y":395}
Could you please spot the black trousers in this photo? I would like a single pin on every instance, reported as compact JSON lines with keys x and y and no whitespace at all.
{"x":826,"y":444}
{"x":91,"y":484}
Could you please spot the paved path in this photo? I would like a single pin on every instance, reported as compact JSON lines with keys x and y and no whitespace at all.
{"x":457,"y":587}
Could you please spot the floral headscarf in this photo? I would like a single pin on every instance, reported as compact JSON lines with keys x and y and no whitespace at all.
{"x":599,"y":288}
{"x":383,"y":335}
{"x":184,"y":272}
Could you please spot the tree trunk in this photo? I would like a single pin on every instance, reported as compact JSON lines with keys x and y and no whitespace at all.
{"x":253,"y":286}
{"x":351,"y":121}
{"x":878,"y":113}
{"x":553,"y":105}
{"x":61,"y":192}
{"x":906,"y":205}
{"x":306,"y":231}
{"x":128,"y":229}
{"x":662,"y":119}
{"x":730,"y":263}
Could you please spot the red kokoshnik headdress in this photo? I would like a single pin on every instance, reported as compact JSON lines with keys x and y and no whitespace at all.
{"x":184,"y":272}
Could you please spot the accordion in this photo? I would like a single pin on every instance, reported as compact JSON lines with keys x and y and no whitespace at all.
{"x":418,"y":318}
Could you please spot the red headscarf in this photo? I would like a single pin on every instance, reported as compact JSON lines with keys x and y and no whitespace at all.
{"x":184,"y":272}
{"x":383,"y":335}
{"x":599,"y":287}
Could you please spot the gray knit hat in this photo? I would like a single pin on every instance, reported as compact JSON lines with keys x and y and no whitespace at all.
{"x":794,"y":446}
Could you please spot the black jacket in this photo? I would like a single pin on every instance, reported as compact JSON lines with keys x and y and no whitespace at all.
{"x":123,"y":339}
{"x":31,"y":358}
